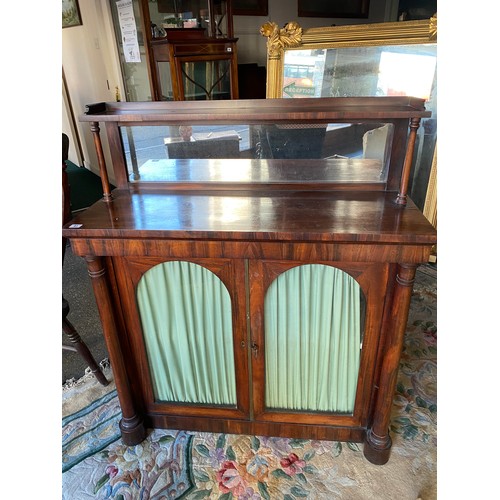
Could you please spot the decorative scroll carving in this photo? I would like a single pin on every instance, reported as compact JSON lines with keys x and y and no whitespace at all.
{"x":433,"y":27}
{"x":281,"y":38}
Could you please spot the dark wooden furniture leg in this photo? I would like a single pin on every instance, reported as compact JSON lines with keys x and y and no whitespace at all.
{"x":77,"y":345}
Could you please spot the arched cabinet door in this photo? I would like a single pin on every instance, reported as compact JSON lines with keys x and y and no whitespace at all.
{"x":186,"y":328}
{"x":314,"y":343}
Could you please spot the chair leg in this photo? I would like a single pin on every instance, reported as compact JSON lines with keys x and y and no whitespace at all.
{"x":83,"y":350}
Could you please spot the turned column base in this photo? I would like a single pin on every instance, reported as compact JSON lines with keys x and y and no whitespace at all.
{"x":133,"y":431}
{"x":377,"y":449}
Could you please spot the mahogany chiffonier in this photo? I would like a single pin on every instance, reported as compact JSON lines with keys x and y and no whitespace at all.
{"x":266,"y":292}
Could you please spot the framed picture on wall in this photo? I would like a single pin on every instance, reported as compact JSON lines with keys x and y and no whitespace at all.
{"x":250,"y":7}
{"x":357,"y":9}
{"x":71,"y":13}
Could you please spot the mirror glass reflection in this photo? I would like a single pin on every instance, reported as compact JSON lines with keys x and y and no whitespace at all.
{"x":360,"y":71}
{"x":386,"y":70}
{"x":350,"y":152}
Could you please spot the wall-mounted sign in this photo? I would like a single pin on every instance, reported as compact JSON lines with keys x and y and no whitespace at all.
{"x":128,"y":29}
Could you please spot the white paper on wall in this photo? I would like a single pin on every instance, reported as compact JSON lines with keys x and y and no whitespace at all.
{"x":129,"y":31}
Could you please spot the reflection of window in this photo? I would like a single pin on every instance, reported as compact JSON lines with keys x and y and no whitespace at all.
{"x":296,"y":71}
{"x":360,"y":71}
{"x":406,"y":74}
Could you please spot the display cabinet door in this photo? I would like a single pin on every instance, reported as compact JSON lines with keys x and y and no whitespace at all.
{"x":205,"y":79}
{"x":314,"y":336}
{"x":186,"y":326}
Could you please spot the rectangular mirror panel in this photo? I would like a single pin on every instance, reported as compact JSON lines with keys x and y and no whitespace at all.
{"x":335,"y":152}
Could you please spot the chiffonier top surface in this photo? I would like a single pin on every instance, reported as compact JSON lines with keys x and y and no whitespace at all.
{"x":336,"y":216}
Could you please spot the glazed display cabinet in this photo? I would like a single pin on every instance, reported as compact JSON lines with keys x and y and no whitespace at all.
{"x":189,"y":66}
{"x":198,"y":62}
{"x":260,"y":281}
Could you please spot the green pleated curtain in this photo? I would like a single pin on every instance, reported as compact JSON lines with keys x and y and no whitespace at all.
{"x":312,"y":340}
{"x":312,"y":337}
{"x":185,"y":313}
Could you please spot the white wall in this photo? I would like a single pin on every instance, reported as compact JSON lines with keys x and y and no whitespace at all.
{"x":69,"y":128}
{"x":92,"y":71}
{"x":252,"y":45}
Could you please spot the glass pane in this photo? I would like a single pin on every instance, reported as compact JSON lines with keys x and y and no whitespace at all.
{"x":360,"y":71}
{"x":135,"y":74}
{"x":219,"y":27}
{"x":206,"y":80}
{"x":347,"y":152}
{"x":424,"y":151}
{"x":165,"y":81}
{"x":191,"y":14}
{"x":185,"y":312}
{"x":313,"y":334}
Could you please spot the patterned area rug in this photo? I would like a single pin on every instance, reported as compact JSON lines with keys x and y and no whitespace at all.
{"x":192,"y":465}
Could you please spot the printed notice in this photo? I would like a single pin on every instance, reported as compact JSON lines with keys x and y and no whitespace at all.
{"x":129,"y":31}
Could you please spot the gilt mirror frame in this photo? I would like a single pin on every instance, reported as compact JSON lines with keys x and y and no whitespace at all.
{"x":293,"y":37}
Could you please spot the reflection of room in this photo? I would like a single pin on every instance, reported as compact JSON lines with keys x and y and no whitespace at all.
{"x":365,"y":141}
{"x":360,"y":71}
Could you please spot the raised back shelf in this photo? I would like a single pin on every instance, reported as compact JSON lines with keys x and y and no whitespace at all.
{"x":259,"y":133}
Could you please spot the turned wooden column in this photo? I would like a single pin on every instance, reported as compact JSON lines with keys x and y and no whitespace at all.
{"x":378,"y":441}
{"x":103,"y":172}
{"x":405,"y":174}
{"x":131,"y":424}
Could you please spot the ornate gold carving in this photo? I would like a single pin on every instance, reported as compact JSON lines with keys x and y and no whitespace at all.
{"x":281,"y":38}
{"x":430,"y":206}
{"x":433,"y":27}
